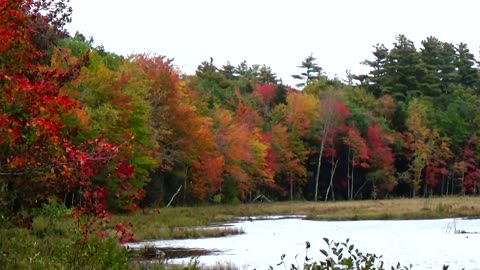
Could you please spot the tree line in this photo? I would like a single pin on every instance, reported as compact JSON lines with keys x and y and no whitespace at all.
{"x":80,"y":124}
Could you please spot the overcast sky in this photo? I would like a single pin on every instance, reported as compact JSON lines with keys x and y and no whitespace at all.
{"x":280,"y":34}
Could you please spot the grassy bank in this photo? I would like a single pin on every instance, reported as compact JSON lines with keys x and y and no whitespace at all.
{"x":171,"y":222}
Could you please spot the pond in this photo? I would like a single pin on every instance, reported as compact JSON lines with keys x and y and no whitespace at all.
{"x":426,"y":244}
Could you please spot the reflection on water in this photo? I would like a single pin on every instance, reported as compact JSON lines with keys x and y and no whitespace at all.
{"x":426,"y":244}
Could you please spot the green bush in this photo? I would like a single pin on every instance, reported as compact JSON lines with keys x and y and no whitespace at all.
{"x":97,"y":254}
{"x":53,"y":210}
{"x":231,"y":192}
{"x":342,"y":256}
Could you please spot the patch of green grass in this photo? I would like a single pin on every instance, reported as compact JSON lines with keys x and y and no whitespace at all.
{"x":57,"y":247}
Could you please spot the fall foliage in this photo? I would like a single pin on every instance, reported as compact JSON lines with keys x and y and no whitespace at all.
{"x":99,"y":131}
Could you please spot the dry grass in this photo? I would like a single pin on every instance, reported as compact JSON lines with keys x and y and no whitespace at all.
{"x":176,"y":222}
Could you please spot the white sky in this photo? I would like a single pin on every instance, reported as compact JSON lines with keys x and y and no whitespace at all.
{"x":280,"y":34}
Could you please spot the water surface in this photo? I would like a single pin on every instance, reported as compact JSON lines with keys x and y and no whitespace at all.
{"x":426,"y":244}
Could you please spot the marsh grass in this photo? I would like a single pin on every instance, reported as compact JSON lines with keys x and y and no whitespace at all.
{"x":170,"y":222}
{"x":184,"y":233}
{"x":31,"y":249}
{"x":55,"y":244}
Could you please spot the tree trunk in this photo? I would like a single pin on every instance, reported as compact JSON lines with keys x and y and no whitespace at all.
{"x":446,"y":189}
{"x":319,"y":164}
{"x":332,"y":173}
{"x":291,"y":187}
{"x":351,"y":187}
{"x":443,"y":183}
{"x":174,"y":195}
{"x":414,"y":186}
{"x":185,"y":181}
{"x":360,"y":189}
{"x":425,"y":188}
{"x":154,"y":189}
{"x":348,"y":174}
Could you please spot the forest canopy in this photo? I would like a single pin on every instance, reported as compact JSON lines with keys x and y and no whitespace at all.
{"x":79,"y":123}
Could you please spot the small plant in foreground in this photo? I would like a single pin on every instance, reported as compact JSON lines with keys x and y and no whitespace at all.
{"x":342,"y":256}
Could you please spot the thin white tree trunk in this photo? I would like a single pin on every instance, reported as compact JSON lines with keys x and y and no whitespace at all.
{"x":174,"y":195}
{"x":331,"y":180}
{"x":319,"y":164}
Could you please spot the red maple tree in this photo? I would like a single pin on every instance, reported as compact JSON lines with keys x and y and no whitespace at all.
{"x":38,"y":160}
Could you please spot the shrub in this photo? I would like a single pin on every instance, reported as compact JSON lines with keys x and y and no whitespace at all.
{"x":342,"y":256}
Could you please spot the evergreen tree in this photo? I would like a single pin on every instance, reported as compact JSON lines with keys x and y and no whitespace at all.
{"x":373,"y":82}
{"x":465,"y":63}
{"x":266,"y":75}
{"x":246,"y":71}
{"x":312,"y":71}
{"x":431,"y":58}
{"x":404,"y":70}
{"x":228,"y":71}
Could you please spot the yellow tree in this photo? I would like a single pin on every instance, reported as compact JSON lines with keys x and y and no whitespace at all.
{"x":293,"y":123}
{"x":417,"y":139}
{"x":440,"y":153}
{"x":428,"y":151}
{"x":290,"y":156}
{"x":301,"y":112}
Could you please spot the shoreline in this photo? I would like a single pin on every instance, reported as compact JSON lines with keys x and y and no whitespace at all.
{"x":176,"y":222}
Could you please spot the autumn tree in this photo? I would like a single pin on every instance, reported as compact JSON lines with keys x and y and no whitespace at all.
{"x":332,"y":156}
{"x":290,"y":155}
{"x":333,"y":113}
{"x":38,"y":160}
{"x":113,"y":90}
{"x":186,"y":149}
{"x":417,"y":142}
{"x":437,"y":164}
{"x":427,"y":149}
{"x":382,"y":170}
{"x":467,"y":170}
{"x":243,"y":150}
{"x":197,"y":151}
{"x":358,"y":156}
{"x":270,"y":95}
{"x":32,"y":132}
{"x":300,"y":113}
{"x":193,"y":153}
{"x":300,"y":116}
